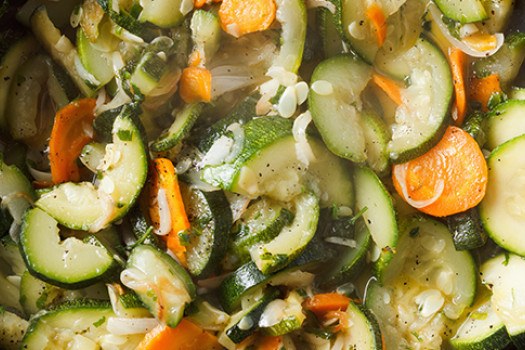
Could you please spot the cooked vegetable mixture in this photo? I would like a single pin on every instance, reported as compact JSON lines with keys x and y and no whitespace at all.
{"x":262,"y":174}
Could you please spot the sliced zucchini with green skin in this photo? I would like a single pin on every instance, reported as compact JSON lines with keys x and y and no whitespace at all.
{"x":283,"y":316}
{"x":422,"y":120}
{"x":482,"y":329}
{"x":25,"y":113}
{"x":426,"y":286}
{"x":179,"y":129}
{"x":332,"y":43}
{"x":467,"y":230}
{"x":206,"y":33}
{"x":70,"y":263}
{"x":260,"y":223}
{"x":379,"y":214}
{"x":98,"y":63}
{"x":160,"y":282}
{"x":499,"y":12}
{"x":350,"y":261}
{"x":92,"y":155}
{"x":517,"y":93}
{"x":463,"y":11}
{"x":49,"y":36}
{"x":210,"y":216}
{"x":36,"y":295}
{"x":163,"y":13}
{"x":504,"y":123}
{"x":364,"y":332}
{"x":17,"y":54}
{"x":293,"y":238}
{"x":13,"y":329}
{"x":501,"y":208}
{"x":333,"y":99}
{"x":268,"y":165}
{"x":291,"y":14}
{"x":80,"y":324}
{"x":503,"y":276}
{"x":248,"y":277}
{"x":84,"y":207}
{"x":376,"y":140}
{"x":246,"y":321}
{"x":506,"y":62}
{"x":148,"y":72}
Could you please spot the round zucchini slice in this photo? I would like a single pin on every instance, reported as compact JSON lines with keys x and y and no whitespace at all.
{"x":70,"y":263}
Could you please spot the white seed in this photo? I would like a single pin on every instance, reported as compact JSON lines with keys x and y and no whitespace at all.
{"x":323,"y":87}
{"x":287,"y":103}
{"x":301,"y":89}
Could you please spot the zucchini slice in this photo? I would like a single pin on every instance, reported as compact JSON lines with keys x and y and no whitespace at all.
{"x":467,"y":230}
{"x":70,"y":263}
{"x":292,"y":240}
{"x":80,"y":324}
{"x":211,"y":219}
{"x":267,"y":164}
{"x":426,"y":286}
{"x":504,"y":123}
{"x":482,"y":329}
{"x":160,"y":282}
{"x":179,"y":129}
{"x":503,"y":276}
{"x":379,"y":214}
{"x":463,"y":11}
{"x":334,"y":101}
{"x":283,"y":316}
{"x":364,"y":332}
{"x":501,"y":209}
{"x":85,"y":207}
{"x":422,"y":120}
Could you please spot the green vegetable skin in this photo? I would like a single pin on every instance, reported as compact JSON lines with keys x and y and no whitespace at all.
{"x":285,"y":176}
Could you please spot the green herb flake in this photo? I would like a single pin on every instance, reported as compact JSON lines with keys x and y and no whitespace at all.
{"x":507,"y":258}
{"x":184,"y":238}
{"x":417,"y":336}
{"x":100,"y":322}
{"x":125,"y":135}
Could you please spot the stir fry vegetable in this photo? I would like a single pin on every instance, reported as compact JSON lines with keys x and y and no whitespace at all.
{"x":262,"y":174}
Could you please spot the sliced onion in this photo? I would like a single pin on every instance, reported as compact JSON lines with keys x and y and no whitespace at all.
{"x":75,"y":17}
{"x":400,"y":174}
{"x":238,"y":141}
{"x":127,"y":326}
{"x":302,"y":147}
{"x":341,"y":241}
{"x":212,"y":282}
{"x":40,"y":175}
{"x":84,"y":74}
{"x":437,"y":16}
{"x":164,"y":213}
{"x":121,"y":98}
{"x":238,"y":204}
{"x":218,"y":152}
{"x":109,"y":212}
{"x":134,"y":279}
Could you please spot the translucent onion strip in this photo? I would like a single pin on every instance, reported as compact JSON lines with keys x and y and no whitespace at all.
{"x":400,"y":174}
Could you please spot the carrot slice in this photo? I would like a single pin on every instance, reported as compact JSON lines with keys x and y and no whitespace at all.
{"x":481,"y":89}
{"x":269,"y":343}
{"x":200,"y":3}
{"x":457,"y":64}
{"x":449,"y":179}
{"x":239,"y":17}
{"x":320,"y":304}
{"x":186,"y":336}
{"x":340,"y":316}
{"x":163,"y":176}
{"x":195,"y":85}
{"x":71,"y":132}
{"x":389,"y":86}
{"x":377,"y":17}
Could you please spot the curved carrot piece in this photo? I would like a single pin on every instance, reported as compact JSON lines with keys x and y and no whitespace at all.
{"x":163,"y":176}
{"x":239,"y":17}
{"x":341,"y":316}
{"x":320,"y":304}
{"x":71,"y":132}
{"x":457,"y":64}
{"x":186,"y":336}
{"x":448,"y":179}
{"x":481,"y":89}
{"x":377,"y":17}
{"x":389,"y":86}
{"x":195,"y":85}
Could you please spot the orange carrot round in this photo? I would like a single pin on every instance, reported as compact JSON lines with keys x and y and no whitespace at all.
{"x":195,"y":85}
{"x":163,"y":176}
{"x":481,"y":89}
{"x":71,"y":132}
{"x":448,"y":179}
{"x":239,"y":17}
{"x":320,"y":304}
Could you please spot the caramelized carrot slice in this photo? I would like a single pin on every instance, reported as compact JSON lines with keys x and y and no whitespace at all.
{"x":457,"y":64}
{"x":390,"y":87}
{"x":320,"y":304}
{"x":377,"y":17}
{"x":71,"y":132}
{"x":239,"y":17}
{"x":481,"y":89}
{"x":449,"y":179}
{"x":195,"y":85}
